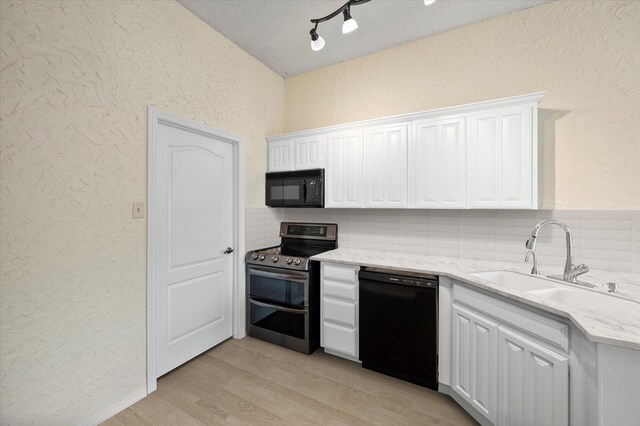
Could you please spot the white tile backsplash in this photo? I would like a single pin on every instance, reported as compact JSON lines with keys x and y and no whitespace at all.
{"x":607,"y":240}
{"x":262,"y":227}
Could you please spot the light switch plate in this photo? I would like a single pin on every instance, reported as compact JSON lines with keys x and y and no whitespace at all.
{"x":138,"y":209}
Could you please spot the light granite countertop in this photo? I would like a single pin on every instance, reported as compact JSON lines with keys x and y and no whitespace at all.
{"x":615,"y":322}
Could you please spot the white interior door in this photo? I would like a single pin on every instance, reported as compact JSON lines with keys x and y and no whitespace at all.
{"x":193,"y":207}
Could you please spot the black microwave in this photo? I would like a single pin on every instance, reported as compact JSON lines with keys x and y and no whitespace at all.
{"x":301,"y":188}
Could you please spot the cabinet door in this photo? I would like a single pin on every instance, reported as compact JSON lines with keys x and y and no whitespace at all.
{"x":473,"y":364}
{"x":385,"y":166}
{"x":437,"y":164}
{"x":308,"y":153}
{"x":533,"y":382}
{"x":344,"y":186}
{"x":280,"y":156}
{"x":339,"y":309}
{"x":501,"y":157}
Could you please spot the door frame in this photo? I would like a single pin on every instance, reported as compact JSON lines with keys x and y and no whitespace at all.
{"x":157,"y":116}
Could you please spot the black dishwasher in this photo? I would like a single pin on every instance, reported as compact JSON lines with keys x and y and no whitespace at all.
{"x":399,"y":325}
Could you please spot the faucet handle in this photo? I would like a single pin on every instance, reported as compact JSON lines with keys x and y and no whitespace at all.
{"x":578,"y":270}
{"x":534,"y":270}
{"x":581,"y":269}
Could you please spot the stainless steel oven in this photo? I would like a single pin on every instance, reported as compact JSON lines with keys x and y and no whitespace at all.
{"x":279,"y":307}
{"x":283,"y":286}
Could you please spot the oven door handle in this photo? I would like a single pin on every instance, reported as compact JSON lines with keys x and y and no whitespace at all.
{"x":266,"y":273}
{"x":278,"y":307}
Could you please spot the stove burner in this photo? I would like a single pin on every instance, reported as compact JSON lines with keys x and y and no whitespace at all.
{"x":299,"y":242}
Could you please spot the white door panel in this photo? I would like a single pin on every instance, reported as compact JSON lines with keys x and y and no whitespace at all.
{"x":193,"y":304}
{"x":193,"y":205}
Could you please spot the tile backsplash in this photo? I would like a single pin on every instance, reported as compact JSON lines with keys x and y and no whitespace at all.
{"x":608,"y":240}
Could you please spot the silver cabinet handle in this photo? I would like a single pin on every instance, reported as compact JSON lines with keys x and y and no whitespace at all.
{"x":229,"y":250}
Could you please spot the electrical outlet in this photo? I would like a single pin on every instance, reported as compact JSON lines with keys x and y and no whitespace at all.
{"x":138,"y":209}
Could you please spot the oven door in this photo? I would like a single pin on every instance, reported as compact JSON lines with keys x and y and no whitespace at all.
{"x":278,"y":287}
{"x":275,"y":321}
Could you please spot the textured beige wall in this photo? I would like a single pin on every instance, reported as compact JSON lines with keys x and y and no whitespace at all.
{"x":76,"y":79}
{"x":585,"y":54}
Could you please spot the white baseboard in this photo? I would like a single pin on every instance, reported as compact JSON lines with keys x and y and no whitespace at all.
{"x":116,"y":408}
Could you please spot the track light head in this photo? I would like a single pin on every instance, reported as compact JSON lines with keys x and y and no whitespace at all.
{"x":349,"y":24}
{"x":317,"y":42}
{"x":429,"y":2}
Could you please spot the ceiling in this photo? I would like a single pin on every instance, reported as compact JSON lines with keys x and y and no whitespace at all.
{"x":276,"y":32}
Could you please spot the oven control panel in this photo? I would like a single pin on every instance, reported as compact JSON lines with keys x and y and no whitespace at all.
{"x":309,"y":231}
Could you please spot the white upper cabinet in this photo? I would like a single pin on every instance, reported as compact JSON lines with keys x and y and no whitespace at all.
{"x":295,"y":154}
{"x":478,"y":156}
{"x":437,"y":164}
{"x":280,"y":156}
{"x":344,"y":184}
{"x":385,"y":165}
{"x":308,"y":153}
{"x":502,"y":155}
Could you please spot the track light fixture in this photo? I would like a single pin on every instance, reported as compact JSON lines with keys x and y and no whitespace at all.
{"x":349,"y":25}
{"x":317,"y":42}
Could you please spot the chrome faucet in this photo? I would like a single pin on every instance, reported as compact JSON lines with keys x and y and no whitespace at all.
{"x":534,"y":270}
{"x":571,"y":272}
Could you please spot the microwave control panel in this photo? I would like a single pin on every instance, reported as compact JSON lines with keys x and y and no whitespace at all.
{"x":314,"y":190}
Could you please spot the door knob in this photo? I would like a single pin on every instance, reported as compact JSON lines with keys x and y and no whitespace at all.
{"x":229,"y":250}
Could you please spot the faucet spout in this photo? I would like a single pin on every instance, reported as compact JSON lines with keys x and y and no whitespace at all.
{"x":570,"y":271}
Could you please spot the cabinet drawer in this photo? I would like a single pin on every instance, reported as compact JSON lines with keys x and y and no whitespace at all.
{"x":338,"y":311}
{"x":537,"y":325}
{"x":341,"y":290}
{"x":345,"y":273}
{"x":339,"y":338}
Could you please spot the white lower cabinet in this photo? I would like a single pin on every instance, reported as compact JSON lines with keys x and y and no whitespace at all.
{"x":474,"y":363}
{"x":533,"y":384}
{"x":339,"y":309}
{"x":510,"y":365}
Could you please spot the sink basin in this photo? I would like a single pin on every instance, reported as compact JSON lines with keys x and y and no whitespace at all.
{"x":571,"y":296}
{"x":555,"y":291}
{"x":516,"y":280}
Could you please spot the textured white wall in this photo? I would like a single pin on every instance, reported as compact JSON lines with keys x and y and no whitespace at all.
{"x":586,"y":54}
{"x":76,"y":80}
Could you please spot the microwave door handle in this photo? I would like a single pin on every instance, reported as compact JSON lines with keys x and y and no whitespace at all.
{"x":304,"y":190}
{"x":278,"y":307}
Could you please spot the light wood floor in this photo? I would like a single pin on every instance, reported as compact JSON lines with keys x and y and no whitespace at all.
{"x":248,"y":381}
